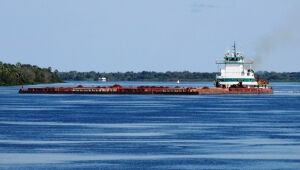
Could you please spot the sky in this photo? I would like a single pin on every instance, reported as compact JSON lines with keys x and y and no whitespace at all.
{"x":149,"y":35}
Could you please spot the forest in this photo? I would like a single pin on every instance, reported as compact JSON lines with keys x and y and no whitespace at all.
{"x":169,"y":76}
{"x":21,"y":74}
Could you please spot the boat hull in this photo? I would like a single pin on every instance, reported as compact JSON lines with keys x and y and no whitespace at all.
{"x":117,"y":89}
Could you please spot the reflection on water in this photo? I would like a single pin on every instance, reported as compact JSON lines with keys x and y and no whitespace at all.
{"x":150,"y":131}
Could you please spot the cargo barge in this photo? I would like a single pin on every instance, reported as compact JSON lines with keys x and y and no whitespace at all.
{"x":117,"y":89}
{"x":236,"y":77}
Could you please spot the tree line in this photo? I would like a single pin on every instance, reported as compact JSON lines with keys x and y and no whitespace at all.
{"x":20,"y":74}
{"x":138,"y":76}
{"x":168,"y":76}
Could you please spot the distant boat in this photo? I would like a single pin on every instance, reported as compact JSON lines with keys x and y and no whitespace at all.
{"x":178,"y":81}
{"x":103,"y":79}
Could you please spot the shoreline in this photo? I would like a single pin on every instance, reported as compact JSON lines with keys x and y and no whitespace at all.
{"x":30,"y":84}
{"x":182,"y":81}
{"x":66,"y":81}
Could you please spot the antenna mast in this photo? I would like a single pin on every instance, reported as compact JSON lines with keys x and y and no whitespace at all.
{"x":234,"y":49}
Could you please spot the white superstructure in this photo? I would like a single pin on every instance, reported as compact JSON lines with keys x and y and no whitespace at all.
{"x":236,"y":70}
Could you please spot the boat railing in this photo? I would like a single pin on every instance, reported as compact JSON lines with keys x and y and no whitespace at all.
{"x":234,"y":62}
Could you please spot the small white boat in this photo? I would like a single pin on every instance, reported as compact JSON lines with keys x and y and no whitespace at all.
{"x":103,"y":79}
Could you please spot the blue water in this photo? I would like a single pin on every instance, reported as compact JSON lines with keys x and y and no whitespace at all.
{"x":39,"y":131}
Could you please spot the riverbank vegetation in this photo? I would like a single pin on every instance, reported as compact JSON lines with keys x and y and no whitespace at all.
{"x":168,"y":76}
{"x":20,"y":74}
{"x":138,"y":76}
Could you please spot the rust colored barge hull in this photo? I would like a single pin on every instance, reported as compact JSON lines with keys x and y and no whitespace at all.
{"x":117,"y":89}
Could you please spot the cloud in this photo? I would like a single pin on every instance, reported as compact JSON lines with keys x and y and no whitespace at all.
{"x":199,"y":6}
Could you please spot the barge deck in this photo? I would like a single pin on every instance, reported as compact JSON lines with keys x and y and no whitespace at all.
{"x":117,"y":89}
